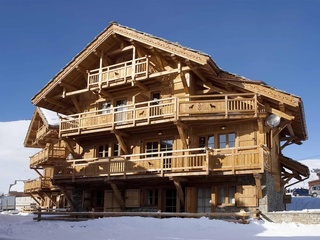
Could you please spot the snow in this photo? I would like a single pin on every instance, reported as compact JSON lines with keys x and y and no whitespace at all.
{"x":14,"y":157}
{"x":14,"y":165}
{"x":51,"y":117}
{"x":117,"y":228}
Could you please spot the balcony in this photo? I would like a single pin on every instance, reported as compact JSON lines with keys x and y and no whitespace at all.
{"x":37,"y":185}
{"x":188,"y":162}
{"x":118,"y":74}
{"x":47,"y":156}
{"x":210,"y":107}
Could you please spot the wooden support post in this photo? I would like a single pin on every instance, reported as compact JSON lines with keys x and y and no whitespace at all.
{"x":177,"y":184}
{"x":257,"y":178}
{"x":70,"y":201}
{"x":119,"y":135}
{"x":183,"y":136}
{"x":118,"y":195}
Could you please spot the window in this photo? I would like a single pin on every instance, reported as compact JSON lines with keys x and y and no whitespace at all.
{"x":116,"y":149}
{"x":171,"y":200}
{"x":204,"y":200}
{"x":160,"y":146}
{"x":226,"y":195}
{"x":120,"y":111}
{"x":105,"y":107}
{"x":152,"y":197}
{"x":206,"y":141}
{"x":151,"y":147}
{"x":103,"y":151}
{"x":227,"y":140}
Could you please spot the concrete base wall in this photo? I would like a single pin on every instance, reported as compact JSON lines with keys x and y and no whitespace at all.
{"x":302,"y":217}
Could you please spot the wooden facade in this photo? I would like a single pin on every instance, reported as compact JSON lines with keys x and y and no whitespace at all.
{"x":146,"y":124}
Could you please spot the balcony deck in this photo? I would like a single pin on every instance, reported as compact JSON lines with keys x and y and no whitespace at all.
{"x":210,"y":107}
{"x":48,"y":156}
{"x":189,"y":162}
{"x":118,"y":74}
{"x":37,"y":185}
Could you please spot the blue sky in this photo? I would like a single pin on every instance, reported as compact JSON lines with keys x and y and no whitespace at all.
{"x":276,"y":41}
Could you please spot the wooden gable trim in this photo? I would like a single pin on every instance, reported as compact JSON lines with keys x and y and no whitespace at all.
{"x":133,"y":35}
{"x":161,"y":44}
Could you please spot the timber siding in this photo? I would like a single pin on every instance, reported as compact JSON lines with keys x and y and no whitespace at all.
{"x":149,"y":125}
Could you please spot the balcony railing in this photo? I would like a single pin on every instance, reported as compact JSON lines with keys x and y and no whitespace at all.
{"x":41,"y":131}
{"x":118,"y":73}
{"x":178,"y":163}
{"x":37,"y":185}
{"x":163,"y":110}
{"x":47,"y":155}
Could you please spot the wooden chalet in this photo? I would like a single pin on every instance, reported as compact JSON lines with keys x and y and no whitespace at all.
{"x":149,"y":125}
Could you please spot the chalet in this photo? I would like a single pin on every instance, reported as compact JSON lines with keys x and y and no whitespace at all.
{"x":145,"y":124}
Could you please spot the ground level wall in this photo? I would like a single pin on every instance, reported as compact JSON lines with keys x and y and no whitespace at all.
{"x":303,"y":217}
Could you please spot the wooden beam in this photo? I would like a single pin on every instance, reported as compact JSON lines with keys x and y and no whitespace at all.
{"x":105,"y":58}
{"x":284,"y":115}
{"x":76,"y":103}
{"x":183,"y":79}
{"x":139,"y":85}
{"x":69,"y":199}
{"x":180,"y":192}
{"x":68,"y":86}
{"x":55,"y":102}
{"x":183,"y":136}
{"x":121,"y":50}
{"x":118,"y":195}
{"x":38,"y":172}
{"x":82,"y":70}
{"x":119,"y":135}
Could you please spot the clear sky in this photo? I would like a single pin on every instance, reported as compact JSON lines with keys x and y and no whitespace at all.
{"x":276,"y":41}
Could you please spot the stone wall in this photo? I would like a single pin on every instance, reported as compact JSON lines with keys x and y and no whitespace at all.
{"x":271,"y":200}
{"x":303,"y":217}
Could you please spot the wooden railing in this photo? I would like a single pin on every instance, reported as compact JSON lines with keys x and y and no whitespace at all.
{"x":131,"y":114}
{"x":118,"y":73}
{"x":163,"y":110}
{"x":39,"y":184}
{"x":179,"y":162}
{"x":41,"y":132}
{"x":48,"y":153}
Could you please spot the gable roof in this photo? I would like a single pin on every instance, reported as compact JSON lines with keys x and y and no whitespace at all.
{"x":210,"y":74}
{"x":47,"y":118}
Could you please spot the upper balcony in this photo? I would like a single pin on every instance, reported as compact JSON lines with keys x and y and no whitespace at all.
{"x":187,"y":162}
{"x":38,"y":185}
{"x":209,"y":107}
{"x":47,"y":156}
{"x":118,"y":74}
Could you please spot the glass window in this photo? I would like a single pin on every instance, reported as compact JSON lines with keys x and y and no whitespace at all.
{"x":206,"y":141}
{"x":226,"y":195}
{"x":116,"y":151}
{"x":105,"y":107}
{"x":103,"y":151}
{"x":204,"y":200}
{"x":227,"y":140}
{"x":150,"y":148}
{"x":152,"y":197}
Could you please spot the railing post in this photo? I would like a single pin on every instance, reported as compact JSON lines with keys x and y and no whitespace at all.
{"x":226,"y":107}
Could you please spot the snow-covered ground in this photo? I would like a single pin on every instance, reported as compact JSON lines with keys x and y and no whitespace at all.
{"x":22,"y":226}
{"x":124,"y":228}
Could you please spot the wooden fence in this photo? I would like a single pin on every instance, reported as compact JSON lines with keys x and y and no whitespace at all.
{"x":52,"y":214}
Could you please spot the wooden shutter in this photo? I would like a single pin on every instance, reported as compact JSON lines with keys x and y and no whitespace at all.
{"x":246,"y":196}
{"x":132,"y":198}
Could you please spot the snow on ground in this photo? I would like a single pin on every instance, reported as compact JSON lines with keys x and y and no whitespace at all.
{"x":124,"y":228}
{"x":22,"y":226}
